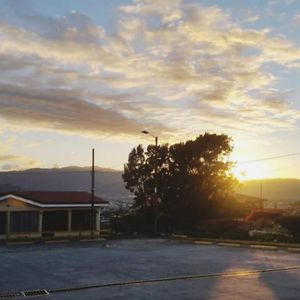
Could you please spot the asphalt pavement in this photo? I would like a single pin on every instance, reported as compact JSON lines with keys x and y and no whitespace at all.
{"x":148,"y":269}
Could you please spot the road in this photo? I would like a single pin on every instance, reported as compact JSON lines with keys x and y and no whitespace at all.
{"x":149,"y":269}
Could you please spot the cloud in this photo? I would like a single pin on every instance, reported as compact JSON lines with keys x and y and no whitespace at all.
{"x":14,"y":162}
{"x":276,"y":2}
{"x":9,"y":161}
{"x":169,"y":67}
{"x":251,"y":19}
{"x":167,"y":10}
{"x":62,"y":110}
{"x":296,"y":18}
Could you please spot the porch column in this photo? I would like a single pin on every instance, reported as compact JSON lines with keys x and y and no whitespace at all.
{"x":8,"y":223}
{"x":40,"y":224}
{"x":98,"y":219}
{"x":69,"y":219}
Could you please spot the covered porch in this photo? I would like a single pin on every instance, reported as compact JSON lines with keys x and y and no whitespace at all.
{"x":22,"y":218}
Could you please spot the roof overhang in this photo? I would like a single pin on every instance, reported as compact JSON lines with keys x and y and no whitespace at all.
{"x":51,"y":205}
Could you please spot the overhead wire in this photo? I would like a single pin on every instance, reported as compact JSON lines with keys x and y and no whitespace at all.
{"x":64,"y":171}
{"x":269,"y":158}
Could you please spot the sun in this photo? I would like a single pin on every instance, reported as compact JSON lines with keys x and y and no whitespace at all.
{"x":244,"y":171}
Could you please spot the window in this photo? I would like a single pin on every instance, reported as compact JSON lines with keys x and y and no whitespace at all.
{"x":55,"y":220}
{"x":81,"y":219}
{"x":24,"y":221}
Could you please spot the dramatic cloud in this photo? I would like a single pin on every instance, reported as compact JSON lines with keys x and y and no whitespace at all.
{"x":61,"y":110}
{"x":170,"y":66}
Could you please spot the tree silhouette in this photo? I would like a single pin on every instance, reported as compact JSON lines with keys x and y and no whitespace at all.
{"x":194,"y":178}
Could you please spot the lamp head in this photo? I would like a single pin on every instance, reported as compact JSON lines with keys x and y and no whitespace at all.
{"x":145,"y":132}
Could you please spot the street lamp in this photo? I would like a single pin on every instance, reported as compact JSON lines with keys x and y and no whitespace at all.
{"x":156,"y":181}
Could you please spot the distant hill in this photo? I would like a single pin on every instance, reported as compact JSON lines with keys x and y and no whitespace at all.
{"x":283,"y":192}
{"x":108,"y":183}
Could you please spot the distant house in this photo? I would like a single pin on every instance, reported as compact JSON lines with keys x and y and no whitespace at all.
{"x":38,"y":214}
{"x":251,"y":201}
{"x":266,"y":216}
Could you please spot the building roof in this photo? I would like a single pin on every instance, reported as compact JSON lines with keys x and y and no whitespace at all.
{"x":51,"y":198}
{"x":263,"y":213}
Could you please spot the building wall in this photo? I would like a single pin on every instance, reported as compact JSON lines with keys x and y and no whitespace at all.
{"x":14,"y":204}
{"x":10,"y":205}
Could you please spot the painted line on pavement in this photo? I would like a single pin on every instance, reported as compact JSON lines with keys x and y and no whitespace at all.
{"x":174,"y":278}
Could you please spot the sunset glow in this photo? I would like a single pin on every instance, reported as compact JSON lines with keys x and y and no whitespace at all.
{"x":77,"y":75}
{"x":254,"y":171}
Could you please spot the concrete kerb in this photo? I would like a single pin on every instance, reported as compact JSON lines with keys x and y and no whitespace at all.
{"x":295,"y":248}
{"x":48,"y":241}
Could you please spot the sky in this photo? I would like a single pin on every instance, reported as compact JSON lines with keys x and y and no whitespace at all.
{"x":83,"y":74}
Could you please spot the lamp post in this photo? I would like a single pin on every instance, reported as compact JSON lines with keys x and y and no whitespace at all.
{"x":156,"y":181}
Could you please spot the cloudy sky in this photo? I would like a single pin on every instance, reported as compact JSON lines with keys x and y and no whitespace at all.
{"x":86,"y":73}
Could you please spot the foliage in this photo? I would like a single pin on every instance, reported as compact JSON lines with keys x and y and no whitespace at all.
{"x":194,"y":181}
{"x":292,"y":224}
{"x":224,"y":229}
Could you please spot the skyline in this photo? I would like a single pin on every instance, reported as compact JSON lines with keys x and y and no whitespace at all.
{"x":88,"y":74}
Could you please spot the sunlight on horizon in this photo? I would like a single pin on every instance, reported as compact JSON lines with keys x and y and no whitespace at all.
{"x":251,"y":171}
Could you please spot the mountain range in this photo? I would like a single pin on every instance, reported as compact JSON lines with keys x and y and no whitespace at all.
{"x":109,"y":183}
{"x":273,"y":189}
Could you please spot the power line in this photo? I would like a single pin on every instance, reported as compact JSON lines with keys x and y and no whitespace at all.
{"x":13,"y":172}
{"x":285,"y":168}
{"x":269,"y":158}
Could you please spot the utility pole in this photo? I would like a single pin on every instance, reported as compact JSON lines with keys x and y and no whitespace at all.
{"x":261,"y":196}
{"x":156,"y":188}
{"x":92,"y":215}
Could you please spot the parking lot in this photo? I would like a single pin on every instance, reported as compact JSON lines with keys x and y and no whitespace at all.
{"x":149,"y":269}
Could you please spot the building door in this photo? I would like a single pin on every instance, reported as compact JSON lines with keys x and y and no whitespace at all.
{"x":2,"y":223}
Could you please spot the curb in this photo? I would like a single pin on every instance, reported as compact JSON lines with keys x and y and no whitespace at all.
{"x":293,"y":248}
{"x":19,"y":243}
{"x":57,"y":241}
{"x":92,"y":240}
{"x":249,"y":246}
{"x":46,"y":242}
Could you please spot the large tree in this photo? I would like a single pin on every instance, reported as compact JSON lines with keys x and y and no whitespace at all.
{"x":194,"y":180}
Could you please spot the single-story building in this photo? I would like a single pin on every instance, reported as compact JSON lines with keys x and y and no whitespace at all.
{"x":53,"y":214}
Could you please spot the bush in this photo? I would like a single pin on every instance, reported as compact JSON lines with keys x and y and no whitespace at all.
{"x":275,"y":234}
{"x":223,"y":229}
